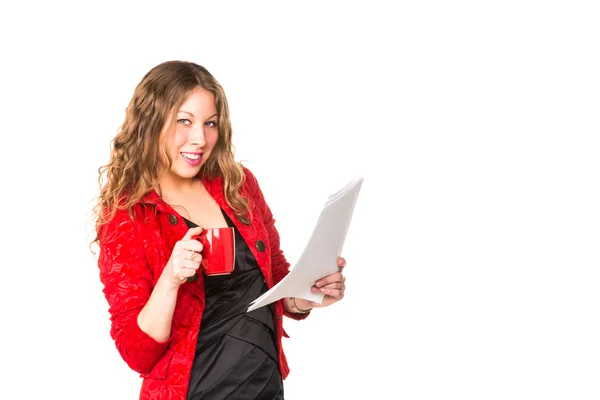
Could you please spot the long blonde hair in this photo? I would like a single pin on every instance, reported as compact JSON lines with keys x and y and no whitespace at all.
{"x":137,"y":153}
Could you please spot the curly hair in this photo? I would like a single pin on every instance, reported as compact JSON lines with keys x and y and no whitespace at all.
{"x":137,"y":153}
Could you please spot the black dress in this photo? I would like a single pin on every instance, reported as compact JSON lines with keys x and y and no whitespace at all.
{"x":236,"y":356}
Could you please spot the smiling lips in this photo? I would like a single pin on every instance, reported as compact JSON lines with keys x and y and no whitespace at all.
{"x":192,"y":158}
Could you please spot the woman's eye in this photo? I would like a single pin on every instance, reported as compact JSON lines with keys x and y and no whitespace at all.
{"x":184,"y":121}
{"x":211,"y":124}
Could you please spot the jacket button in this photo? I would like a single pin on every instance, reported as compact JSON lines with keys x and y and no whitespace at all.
{"x":244,"y":220}
{"x":260,"y":245}
{"x":172,"y":219}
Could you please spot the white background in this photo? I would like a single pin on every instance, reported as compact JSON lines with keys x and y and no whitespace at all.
{"x":473,"y":251}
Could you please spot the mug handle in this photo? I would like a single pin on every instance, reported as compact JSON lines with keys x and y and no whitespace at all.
{"x":205,"y":244}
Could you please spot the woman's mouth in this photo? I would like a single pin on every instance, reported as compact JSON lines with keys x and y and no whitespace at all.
{"x":192,"y":158}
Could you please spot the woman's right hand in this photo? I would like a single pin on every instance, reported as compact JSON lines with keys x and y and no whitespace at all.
{"x":185,"y":258}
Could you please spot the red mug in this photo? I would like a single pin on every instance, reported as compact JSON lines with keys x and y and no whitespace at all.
{"x":218,"y":252}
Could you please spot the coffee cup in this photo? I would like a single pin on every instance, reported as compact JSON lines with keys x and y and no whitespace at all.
{"x":218,"y":252}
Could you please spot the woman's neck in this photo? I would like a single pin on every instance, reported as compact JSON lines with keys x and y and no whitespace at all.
{"x":172,"y":189}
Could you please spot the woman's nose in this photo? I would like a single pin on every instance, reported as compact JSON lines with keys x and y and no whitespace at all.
{"x":197,"y":136}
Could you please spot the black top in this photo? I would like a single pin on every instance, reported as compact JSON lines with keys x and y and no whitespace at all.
{"x":236,"y":355}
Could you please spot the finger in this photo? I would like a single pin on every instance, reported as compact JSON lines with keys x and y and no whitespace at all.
{"x":185,"y":258}
{"x":341,"y":262}
{"x":192,"y":232}
{"x":188,"y":243}
{"x":335,"y":277}
{"x":185,"y":255}
{"x":192,"y":245}
{"x":183,"y":273}
{"x":333,"y":285}
{"x":187,"y":270}
{"x":329,"y":290}
{"x":192,"y":264}
{"x":335,"y":294}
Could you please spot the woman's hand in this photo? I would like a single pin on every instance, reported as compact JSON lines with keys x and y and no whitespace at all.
{"x":333,"y":286}
{"x":185,"y":259}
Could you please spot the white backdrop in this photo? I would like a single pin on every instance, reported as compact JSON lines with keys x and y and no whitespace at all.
{"x":473,"y":251}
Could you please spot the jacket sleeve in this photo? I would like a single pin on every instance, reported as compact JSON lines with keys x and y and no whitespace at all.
{"x":128,"y":283}
{"x":279,"y":265}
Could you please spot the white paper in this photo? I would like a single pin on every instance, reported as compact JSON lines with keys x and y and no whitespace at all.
{"x":321,"y":252}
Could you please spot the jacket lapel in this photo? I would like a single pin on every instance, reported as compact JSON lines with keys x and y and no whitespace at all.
{"x":250,"y":227}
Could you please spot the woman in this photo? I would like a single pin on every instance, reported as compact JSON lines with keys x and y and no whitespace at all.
{"x":172,"y":173}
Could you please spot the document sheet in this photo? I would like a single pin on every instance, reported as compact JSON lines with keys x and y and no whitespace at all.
{"x":320,"y":254}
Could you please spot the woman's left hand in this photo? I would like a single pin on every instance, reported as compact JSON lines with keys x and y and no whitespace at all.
{"x":333,"y":286}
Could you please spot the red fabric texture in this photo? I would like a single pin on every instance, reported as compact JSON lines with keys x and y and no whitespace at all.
{"x":132,"y":256}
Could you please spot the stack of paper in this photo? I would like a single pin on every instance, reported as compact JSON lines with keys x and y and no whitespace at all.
{"x":320,"y":254}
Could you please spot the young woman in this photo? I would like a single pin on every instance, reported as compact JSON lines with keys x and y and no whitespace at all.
{"x":172,"y":173}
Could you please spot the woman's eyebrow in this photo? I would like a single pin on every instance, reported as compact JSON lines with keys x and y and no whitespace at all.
{"x":192,"y":114}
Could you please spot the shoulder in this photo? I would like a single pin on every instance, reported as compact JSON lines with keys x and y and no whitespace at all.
{"x":247,"y":173}
{"x":116,"y":228}
{"x":122,"y":222}
{"x":250,"y":181}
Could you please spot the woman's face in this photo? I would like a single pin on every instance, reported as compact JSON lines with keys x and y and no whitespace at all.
{"x":194,"y":135}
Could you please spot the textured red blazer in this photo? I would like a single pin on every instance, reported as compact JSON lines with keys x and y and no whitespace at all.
{"x":132,"y":256}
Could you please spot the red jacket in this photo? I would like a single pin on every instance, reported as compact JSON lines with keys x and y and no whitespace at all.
{"x":132,"y":256}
